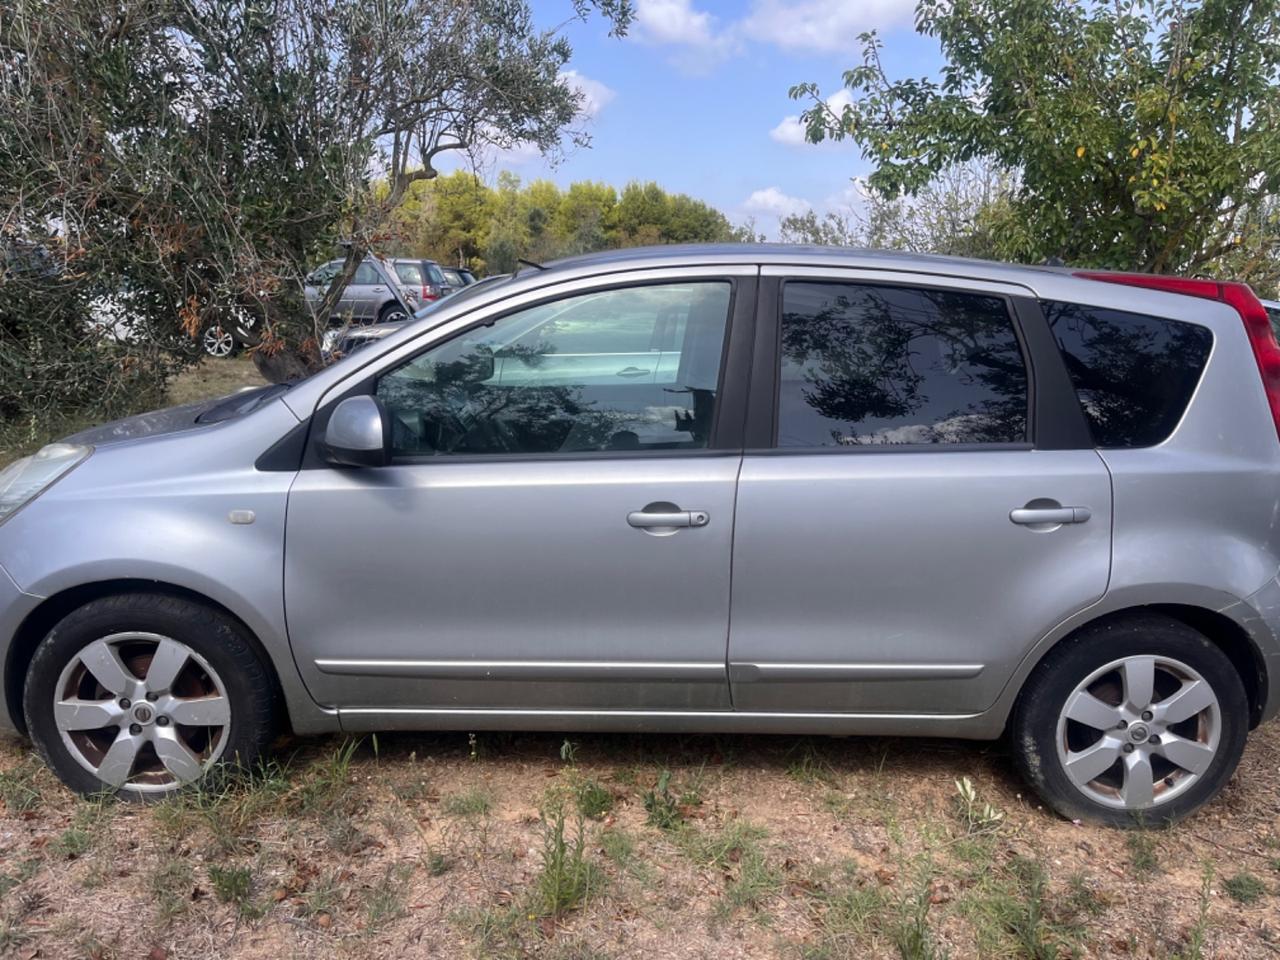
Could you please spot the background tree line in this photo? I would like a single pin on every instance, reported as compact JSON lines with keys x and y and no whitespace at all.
{"x":457,"y":219}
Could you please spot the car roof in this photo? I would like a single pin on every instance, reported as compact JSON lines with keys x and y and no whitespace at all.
{"x":783,"y":253}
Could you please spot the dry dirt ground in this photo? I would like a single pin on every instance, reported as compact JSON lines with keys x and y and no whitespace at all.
{"x":627,"y":846}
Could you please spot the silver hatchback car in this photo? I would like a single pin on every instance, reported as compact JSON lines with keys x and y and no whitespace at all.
{"x":738,"y":488}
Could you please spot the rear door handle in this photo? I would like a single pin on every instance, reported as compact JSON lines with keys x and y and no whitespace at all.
{"x":644,"y":520}
{"x":1033,"y":515}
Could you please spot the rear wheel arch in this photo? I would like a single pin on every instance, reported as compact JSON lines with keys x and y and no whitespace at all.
{"x":57,"y":607}
{"x":1219,"y":629}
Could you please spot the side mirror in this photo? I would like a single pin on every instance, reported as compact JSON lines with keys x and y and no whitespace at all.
{"x":358,"y":434}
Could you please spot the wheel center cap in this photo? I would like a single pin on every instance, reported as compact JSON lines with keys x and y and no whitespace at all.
{"x":1139,"y":732}
{"x":143,"y":713}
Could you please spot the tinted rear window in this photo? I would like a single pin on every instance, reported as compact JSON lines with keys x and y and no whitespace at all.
{"x":1134,"y":374}
{"x":1274,"y":314}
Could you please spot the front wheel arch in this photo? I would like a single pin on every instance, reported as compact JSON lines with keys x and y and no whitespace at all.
{"x":55,"y":608}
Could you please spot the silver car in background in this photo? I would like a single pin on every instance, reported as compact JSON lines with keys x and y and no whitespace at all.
{"x":737,"y":488}
{"x":382,"y":291}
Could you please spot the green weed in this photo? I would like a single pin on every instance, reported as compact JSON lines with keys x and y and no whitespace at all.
{"x":568,"y":878}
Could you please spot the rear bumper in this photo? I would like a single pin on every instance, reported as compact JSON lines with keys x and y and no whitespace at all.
{"x":15,"y":606}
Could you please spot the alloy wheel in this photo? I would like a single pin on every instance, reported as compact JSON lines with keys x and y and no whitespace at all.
{"x":1138,"y":732}
{"x":142,"y":712}
{"x":218,"y":342}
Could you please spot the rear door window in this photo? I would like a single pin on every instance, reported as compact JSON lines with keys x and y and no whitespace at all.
{"x":1134,"y":374}
{"x":366,"y":274}
{"x":871,"y":365}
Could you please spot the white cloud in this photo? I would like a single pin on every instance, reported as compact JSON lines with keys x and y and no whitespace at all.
{"x":791,"y":130}
{"x":595,"y":95}
{"x":699,"y":40}
{"x":823,"y":26}
{"x":675,"y":22}
{"x":772,"y":202}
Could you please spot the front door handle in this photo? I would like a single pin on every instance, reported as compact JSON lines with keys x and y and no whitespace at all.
{"x":1034,"y":515}
{"x":643,"y":520}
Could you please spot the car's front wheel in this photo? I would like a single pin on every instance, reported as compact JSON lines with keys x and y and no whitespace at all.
{"x":1132,"y":722}
{"x":142,"y":694}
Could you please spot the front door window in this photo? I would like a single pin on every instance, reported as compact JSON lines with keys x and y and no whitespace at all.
{"x":628,"y":369}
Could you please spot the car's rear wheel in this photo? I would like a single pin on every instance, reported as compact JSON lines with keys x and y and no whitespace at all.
{"x":1132,"y":722}
{"x":142,"y":694}
{"x":393,"y":313}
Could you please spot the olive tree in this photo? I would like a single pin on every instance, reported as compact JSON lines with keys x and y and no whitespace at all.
{"x":188,"y":160}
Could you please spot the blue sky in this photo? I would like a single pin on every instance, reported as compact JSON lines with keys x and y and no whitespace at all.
{"x":695,"y":97}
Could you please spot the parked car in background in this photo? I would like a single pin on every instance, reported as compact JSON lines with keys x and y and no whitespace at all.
{"x":457,"y":277}
{"x":424,"y":275}
{"x":377,"y":293}
{"x":346,"y":340}
{"x":728,"y":488}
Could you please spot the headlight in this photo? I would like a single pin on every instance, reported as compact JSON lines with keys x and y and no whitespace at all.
{"x":26,"y":479}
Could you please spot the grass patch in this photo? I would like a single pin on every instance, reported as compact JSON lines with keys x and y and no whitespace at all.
{"x":1199,"y":933}
{"x":387,"y":899}
{"x":667,"y":809}
{"x":228,"y":805}
{"x":475,"y":802}
{"x":1039,"y":927}
{"x":567,"y":878}
{"x":72,"y":843}
{"x":908,"y":927}
{"x":323,"y":896}
{"x":593,"y":800}
{"x":18,"y":788}
{"x":171,"y":885}
{"x":12,"y":935}
{"x":847,"y":923}
{"x":327,"y":788}
{"x":810,"y":766}
{"x":234,"y":885}
{"x":1244,"y":888}
{"x":1144,"y":855}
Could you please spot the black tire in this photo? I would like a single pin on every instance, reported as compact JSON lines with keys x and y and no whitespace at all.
{"x":393,"y":312}
{"x":1034,"y":725}
{"x":249,"y":683}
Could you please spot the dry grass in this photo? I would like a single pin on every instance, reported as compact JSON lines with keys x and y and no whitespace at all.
{"x":874,"y":859}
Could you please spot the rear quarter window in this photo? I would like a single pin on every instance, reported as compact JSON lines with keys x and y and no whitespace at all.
{"x":409,"y":273}
{"x":1133,"y":374}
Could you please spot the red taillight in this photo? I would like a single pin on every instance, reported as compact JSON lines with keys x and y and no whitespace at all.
{"x":1238,"y":296}
{"x":428,"y":292}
